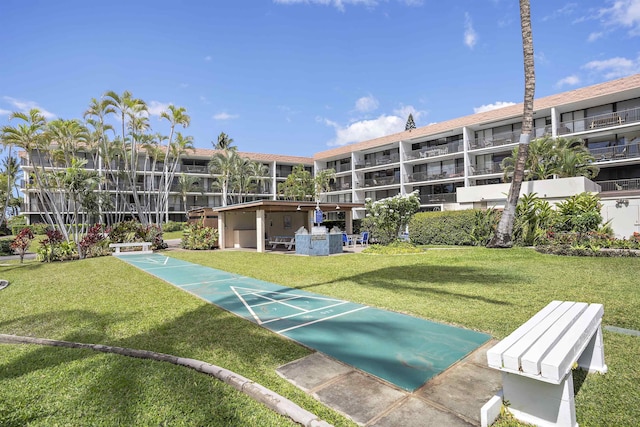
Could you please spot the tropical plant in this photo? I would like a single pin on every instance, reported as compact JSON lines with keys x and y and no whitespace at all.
{"x":549,"y":157}
{"x":387,"y":218}
{"x":224,"y":142}
{"x":196,"y":236}
{"x":21,"y":243}
{"x":534,"y":217}
{"x":187,"y":184}
{"x":299,"y":185}
{"x":579,"y":213}
{"x":410,"y":123}
{"x":502,"y":236}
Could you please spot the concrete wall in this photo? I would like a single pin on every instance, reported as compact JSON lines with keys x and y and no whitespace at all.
{"x":624,"y":214}
{"x":275,"y":223}
{"x":237,"y":221}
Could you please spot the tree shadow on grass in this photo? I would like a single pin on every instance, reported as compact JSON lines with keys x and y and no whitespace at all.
{"x":119,"y":387}
{"x":426,"y":279}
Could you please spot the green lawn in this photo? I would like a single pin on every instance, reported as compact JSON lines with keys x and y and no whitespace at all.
{"x":105,"y":301}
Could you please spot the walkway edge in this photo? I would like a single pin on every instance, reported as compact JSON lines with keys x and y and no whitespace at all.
{"x":271,"y":399}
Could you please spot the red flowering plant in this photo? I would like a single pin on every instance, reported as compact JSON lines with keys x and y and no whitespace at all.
{"x":22,"y":241}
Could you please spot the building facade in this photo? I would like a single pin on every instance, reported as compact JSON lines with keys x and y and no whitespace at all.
{"x":439,"y":159}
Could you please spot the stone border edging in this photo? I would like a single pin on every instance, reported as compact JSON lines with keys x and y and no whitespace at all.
{"x":271,"y":399}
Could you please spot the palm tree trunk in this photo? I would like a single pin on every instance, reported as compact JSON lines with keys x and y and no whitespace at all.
{"x":502,"y":236}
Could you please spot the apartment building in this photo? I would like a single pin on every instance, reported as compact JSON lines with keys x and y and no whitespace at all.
{"x":456,"y":164}
{"x":194,"y":163}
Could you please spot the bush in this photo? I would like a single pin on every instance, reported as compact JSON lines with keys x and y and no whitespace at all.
{"x":567,"y":250}
{"x":21,"y":243}
{"x":55,"y":248}
{"x":443,"y":228}
{"x":580,"y":213}
{"x":387,"y":218}
{"x":5,"y":247}
{"x":133,"y":231}
{"x":94,"y":243}
{"x":485,"y":226}
{"x":173,"y":226}
{"x":196,"y":236}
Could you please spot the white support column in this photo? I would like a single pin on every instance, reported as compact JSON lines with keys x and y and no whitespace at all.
{"x":466,"y":140}
{"x":260,"y":227}
{"x":348,"y":221}
{"x":221,"y":227}
{"x":552,"y":404}
{"x":555,"y":122}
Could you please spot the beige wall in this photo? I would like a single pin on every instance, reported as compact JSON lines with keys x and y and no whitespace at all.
{"x":237,"y":221}
{"x":275,"y":223}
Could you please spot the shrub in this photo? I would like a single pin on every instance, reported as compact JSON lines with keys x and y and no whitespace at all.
{"x":580,"y":213}
{"x":173,"y":226}
{"x":196,"y":236}
{"x":5,"y":247}
{"x":55,"y":248}
{"x":22,"y":241}
{"x":40,"y":228}
{"x":443,"y":228}
{"x":133,"y":231}
{"x":387,"y":218}
{"x":485,"y":226}
{"x":94,"y":243}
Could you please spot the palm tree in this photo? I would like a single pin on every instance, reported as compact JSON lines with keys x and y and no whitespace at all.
{"x":502,"y":236}
{"x":224,"y":142}
{"x":187,"y":184}
{"x":223,"y":166}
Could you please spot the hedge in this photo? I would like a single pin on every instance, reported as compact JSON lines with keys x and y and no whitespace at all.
{"x":443,"y":228}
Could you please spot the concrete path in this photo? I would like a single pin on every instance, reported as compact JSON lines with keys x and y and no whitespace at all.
{"x":451,"y":399}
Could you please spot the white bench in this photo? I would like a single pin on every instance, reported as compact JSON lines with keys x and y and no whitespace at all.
{"x":536,"y":362}
{"x":144,"y":246}
{"x":286,"y":241}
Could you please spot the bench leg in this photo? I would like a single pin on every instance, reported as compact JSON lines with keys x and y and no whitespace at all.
{"x":540,"y":403}
{"x":592,"y":358}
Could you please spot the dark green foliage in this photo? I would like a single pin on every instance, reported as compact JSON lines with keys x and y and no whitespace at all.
{"x":173,"y":226}
{"x":580,"y":213}
{"x":485,"y":225}
{"x":410,"y":123}
{"x":198,"y":237}
{"x":5,"y":247}
{"x":443,"y":228}
{"x":133,"y":231}
{"x":567,"y":250}
{"x":94,"y":243}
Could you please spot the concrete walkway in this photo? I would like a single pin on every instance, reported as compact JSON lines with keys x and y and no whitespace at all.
{"x":452,"y":399}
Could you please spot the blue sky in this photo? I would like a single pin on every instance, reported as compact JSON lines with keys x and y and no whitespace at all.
{"x":301,"y":76}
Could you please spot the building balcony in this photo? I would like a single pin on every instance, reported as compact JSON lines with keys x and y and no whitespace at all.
{"x":382,"y":161}
{"x":616,"y":152}
{"x":378,"y":182}
{"x":340,"y":186}
{"x":195,"y":169}
{"x":439,"y":150}
{"x":430,"y":176}
{"x":486,"y":169}
{"x":427,"y":199}
{"x":601,"y":121}
{"x":632,"y":184}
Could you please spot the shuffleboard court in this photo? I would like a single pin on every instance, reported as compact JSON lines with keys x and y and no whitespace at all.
{"x":403,"y":350}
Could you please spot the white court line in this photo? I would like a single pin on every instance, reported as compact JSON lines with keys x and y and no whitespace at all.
{"x":276,"y":301}
{"x":284,"y":299}
{"x":251,"y":291}
{"x":310,"y":311}
{"x":209,"y":281}
{"x":257,"y":319}
{"x":320,"y":320}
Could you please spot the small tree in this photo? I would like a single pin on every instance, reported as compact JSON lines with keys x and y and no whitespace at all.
{"x":410,"y":123}
{"x":21,"y":243}
{"x":386,"y":218}
{"x":299,"y":185}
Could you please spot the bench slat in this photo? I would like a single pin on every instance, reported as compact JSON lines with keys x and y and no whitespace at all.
{"x":512,"y":357}
{"x":531,"y":361}
{"x":566,"y":352}
{"x":494,"y":354}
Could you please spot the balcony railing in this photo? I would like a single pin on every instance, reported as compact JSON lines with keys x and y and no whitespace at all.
{"x":195,"y":169}
{"x":439,"y":150}
{"x":616,"y":152}
{"x":619,"y":185}
{"x":430,"y":176}
{"x":426,"y":199}
{"x":601,"y":121}
{"x":340,"y":186}
{"x":495,"y":167}
{"x":386,"y":160}
{"x":343,"y":167}
{"x":377,"y":182}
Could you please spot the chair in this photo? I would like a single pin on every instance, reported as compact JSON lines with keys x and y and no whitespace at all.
{"x":363,"y":239}
{"x":346,"y":240}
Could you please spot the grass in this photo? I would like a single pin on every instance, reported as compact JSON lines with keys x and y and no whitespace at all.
{"x":102,"y":300}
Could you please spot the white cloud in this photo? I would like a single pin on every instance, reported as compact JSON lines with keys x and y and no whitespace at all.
{"x":595,"y":36}
{"x":4,"y":112}
{"x":470,"y":35}
{"x":366,"y":104}
{"x":624,"y":13}
{"x":572,"y":80}
{"x":564,"y":11}
{"x":614,"y":67}
{"x":365,"y":129}
{"x":494,"y":106}
{"x":155,"y":108}
{"x":225,"y":116}
{"x":25,"y":106}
